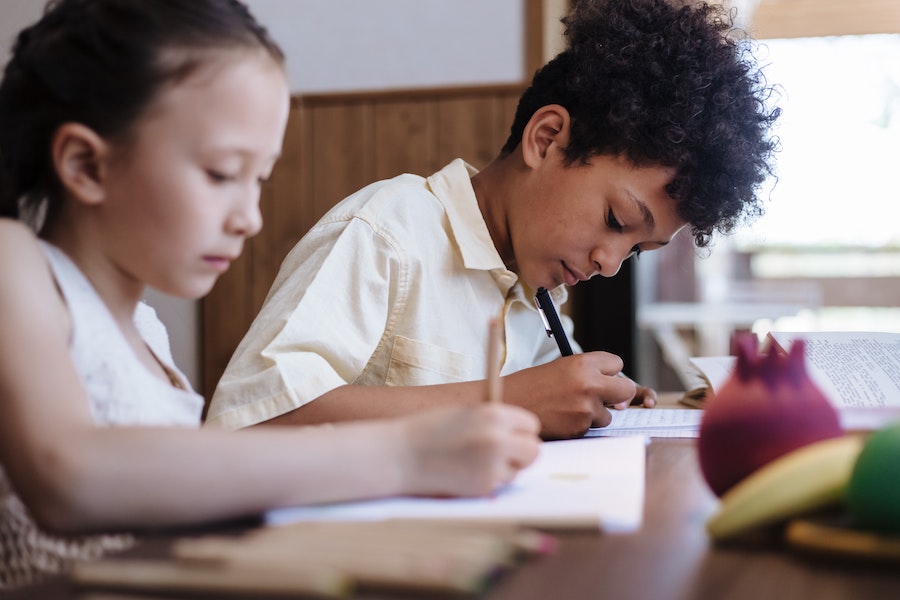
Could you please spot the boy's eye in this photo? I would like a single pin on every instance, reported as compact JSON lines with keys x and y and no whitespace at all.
{"x":612,"y":222}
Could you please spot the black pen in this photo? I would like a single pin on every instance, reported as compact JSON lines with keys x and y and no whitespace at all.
{"x":551,"y":321}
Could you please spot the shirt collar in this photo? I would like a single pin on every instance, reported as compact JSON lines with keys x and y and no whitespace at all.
{"x":452,"y":185}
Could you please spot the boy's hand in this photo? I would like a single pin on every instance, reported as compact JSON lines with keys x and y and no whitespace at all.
{"x":644,"y":396}
{"x":572,"y":393}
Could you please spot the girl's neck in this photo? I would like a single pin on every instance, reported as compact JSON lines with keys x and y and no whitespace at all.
{"x":119,"y":292}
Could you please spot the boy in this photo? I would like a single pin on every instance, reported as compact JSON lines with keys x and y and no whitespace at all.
{"x":651,"y":121}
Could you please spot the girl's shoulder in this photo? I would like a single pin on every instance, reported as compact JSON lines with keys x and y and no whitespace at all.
{"x":20,"y":250}
{"x":28,"y":283}
{"x":13,"y":230}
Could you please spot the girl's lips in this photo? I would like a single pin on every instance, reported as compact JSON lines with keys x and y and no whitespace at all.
{"x":219,"y":263}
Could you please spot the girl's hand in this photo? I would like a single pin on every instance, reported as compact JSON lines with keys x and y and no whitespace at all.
{"x":467,"y":451}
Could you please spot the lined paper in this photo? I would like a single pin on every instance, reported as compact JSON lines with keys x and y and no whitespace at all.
{"x":651,"y":422}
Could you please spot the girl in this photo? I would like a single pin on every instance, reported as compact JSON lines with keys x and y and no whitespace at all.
{"x":133,"y":139}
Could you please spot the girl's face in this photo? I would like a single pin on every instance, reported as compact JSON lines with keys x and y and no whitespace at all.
{"x":573,"y":222}
{"x":184,"y":195}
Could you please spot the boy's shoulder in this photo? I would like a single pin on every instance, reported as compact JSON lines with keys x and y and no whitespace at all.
{"x":390,"y":202}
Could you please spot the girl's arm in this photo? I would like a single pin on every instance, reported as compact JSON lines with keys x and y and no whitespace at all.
{"x":75,"y":476}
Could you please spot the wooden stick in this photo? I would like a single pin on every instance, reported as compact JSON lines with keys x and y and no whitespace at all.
{"x":401,"y":559}
{"x":179,"y":576}
{"x":494,"y":383}
{"x":526,"y":541}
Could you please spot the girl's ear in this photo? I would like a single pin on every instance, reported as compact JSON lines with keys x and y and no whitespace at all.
{"x":78,"y":157}
{"x":548,"y":126}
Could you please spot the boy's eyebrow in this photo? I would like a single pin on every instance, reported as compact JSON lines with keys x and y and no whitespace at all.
{"x":647,"y":216}
{"x":649,"y":221}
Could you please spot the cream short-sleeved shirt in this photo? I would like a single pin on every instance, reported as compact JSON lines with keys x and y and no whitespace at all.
{"x":395,"y":285}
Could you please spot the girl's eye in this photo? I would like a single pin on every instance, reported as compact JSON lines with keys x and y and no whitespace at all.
{"x":217,"y":176}
{"x":612,"y":222}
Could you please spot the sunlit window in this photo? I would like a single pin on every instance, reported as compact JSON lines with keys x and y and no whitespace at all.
{"x":837,"y":173}
{"x":833,"y":214}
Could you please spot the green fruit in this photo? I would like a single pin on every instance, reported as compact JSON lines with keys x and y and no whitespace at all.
{"x":873,"y":494}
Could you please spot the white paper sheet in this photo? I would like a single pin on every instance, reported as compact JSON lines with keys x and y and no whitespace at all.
{"x":584,"y":483}
{"x":651,"y":422}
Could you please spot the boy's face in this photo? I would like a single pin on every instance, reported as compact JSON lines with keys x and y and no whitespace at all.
{"x":569,"y":223}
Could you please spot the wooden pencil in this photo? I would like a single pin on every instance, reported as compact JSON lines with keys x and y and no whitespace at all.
{"x":494,"y":383}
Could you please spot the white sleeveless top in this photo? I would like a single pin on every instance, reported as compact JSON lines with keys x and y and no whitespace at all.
{"x":121,"y":392}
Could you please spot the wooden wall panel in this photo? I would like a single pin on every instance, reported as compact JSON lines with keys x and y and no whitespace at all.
{"x":223,"y":319}
{"x":809,"y":18}
{"x":334,"y":145}
{"x":340,"y":155}
{"x":505,"y":110}
{"x":465,"y":129}
{"x":404,"y":138}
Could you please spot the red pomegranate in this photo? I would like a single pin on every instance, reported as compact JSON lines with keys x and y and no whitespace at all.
{"x":767,"y":407}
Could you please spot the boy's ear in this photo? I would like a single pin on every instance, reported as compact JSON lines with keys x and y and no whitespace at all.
{"x":78,"y":157}
{"x":548,"y":126}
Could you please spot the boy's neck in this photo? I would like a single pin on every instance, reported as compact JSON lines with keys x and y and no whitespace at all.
{"x":492,"y":193}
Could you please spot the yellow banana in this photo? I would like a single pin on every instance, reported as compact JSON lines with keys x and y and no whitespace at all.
{"x":808,"y":478}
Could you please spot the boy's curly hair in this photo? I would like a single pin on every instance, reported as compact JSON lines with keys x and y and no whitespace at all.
{"x":670,"y":84}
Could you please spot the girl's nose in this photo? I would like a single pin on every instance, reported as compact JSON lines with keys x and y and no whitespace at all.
{"x":246,"y":219}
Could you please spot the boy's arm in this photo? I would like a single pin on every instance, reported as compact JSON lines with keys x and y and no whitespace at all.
{"x":323,"y":318}
{"x":568,"y":395}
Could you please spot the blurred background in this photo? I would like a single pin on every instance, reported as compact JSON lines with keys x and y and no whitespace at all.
{"x":406,"y":85}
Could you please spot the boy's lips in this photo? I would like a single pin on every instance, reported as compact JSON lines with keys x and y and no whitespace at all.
{"x":571,"y":276}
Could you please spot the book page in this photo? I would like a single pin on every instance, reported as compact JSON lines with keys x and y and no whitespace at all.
{"x":714,"y":369}
{"x":584,"y":483}
{"x":651,"y":422}
{"x":859,"y":369}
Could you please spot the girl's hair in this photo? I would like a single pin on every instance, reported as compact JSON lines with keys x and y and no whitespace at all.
{"x":664,"y":82}
{"x":100,"y":63}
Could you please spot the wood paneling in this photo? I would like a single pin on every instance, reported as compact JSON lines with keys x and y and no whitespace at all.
{"x":334,"y":145}
{"x":810,"y":18}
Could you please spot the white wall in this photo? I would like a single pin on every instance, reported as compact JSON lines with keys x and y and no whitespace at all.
{"x":346,"y":45}
{"x":14,"y":15}
{"x":339,"y":45}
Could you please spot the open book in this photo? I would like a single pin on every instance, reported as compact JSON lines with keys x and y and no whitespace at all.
{"x":854,"y":369}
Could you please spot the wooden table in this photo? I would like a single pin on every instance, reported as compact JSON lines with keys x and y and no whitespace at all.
{"x":669,"y":558}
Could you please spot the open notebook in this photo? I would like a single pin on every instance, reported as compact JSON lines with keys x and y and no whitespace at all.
{"x":589,"y":483}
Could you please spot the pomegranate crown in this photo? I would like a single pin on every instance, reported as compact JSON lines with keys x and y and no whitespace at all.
{"x":772,"y":366}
